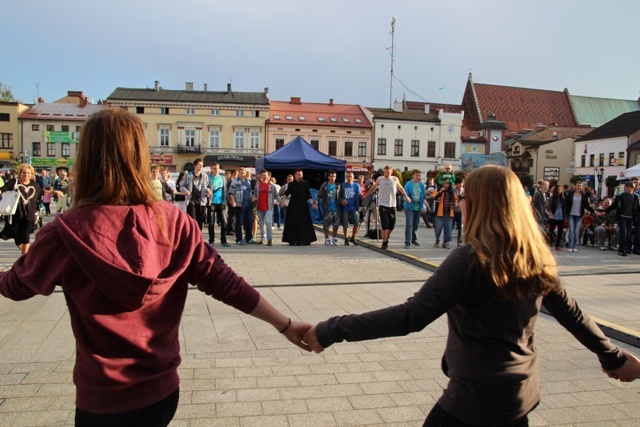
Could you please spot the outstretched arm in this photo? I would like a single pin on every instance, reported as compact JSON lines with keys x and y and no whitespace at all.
{"x":626,"y":373}
{"x":292,"y":329}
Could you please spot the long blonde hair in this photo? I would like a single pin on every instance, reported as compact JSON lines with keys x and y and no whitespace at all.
{"x":113,"y":166}
{"x":505,"y":236}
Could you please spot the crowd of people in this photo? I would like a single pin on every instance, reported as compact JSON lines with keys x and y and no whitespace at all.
{"x":572,"y":217}
{"x":124,"y":259}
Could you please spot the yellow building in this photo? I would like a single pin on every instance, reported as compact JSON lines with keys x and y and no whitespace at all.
{"x":225,"y":127}
{"x":9,"y":127}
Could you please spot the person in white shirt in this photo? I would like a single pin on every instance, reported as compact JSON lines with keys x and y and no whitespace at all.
{"x":388,"y":185}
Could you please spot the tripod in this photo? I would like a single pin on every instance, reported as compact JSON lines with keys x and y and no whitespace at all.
{"x":371,"y":214}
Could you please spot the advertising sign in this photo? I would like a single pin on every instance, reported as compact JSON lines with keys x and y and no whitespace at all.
{"x":59,"y":136}
{"x":551,"y":173}
{"x":471,"y":162}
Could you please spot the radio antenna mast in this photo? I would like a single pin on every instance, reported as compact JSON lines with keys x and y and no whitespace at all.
{"x":393,"y":31}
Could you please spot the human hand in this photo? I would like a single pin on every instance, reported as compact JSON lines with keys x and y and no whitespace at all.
{"x":408,"y":199}
{"x":312,"y":340}
{"x":627,"y":372}
{"x":296,"y":333}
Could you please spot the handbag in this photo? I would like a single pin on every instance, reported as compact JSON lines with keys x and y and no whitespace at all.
{"x":9,"y":202}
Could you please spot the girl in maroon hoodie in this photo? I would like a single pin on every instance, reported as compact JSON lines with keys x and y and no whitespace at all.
{"x":124,"y":261}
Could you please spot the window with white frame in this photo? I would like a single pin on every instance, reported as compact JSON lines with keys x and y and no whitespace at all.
{"x":239,"y":113}
{"x":190,"y":137}
{"x":238,"y":139}
{"x":164,"y":110}
{"x":254,"y":139}
{"x":215,"y":112}
{"x":450,"y":150}
{"x":66,"y":149}
{"x":51,"y":149}
{"x":190,"y":111}
{"x":36,"y":149}
{"x":348,"y":148}
{"x":362,"y":148}
{"x":214,"y":138}
{"x":382,"y":146}
{"x":415,"y":148}
{"x":397,"y":147}
{"x":164,"y":137}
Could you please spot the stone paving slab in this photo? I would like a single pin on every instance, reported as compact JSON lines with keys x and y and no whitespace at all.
{"x":238,"y":371}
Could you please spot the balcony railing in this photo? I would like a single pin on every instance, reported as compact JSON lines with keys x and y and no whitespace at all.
{"x":189,"y":149}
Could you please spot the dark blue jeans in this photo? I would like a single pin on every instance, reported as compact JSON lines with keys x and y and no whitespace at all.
{"x":624,"y":224}
{"x":244,"y":220}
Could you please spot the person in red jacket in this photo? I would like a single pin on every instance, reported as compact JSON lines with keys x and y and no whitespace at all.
{"x":124,"y":260}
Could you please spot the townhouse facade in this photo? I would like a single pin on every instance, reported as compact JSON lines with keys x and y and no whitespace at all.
{"x":9,"y":132}
{"x":545,"y":154}
{"x":342,"y":131}
{"x":50,"y":131}
{"x":614,"y":147}
{"x":415,"y":136}
{"x":227,"y":127}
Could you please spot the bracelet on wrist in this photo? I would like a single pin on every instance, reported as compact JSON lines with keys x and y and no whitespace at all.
{"x":286,"y":327}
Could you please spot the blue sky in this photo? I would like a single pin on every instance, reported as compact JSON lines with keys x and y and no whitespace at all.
{"x":320,"y":50}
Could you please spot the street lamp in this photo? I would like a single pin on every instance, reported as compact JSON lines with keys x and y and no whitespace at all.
{"x":599,"y":173}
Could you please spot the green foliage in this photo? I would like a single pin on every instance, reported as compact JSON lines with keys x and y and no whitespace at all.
{"x":576,"y":178}
{"x":397,"y":173}
{"x":611,"y":182}
{"x":526,"y":180}
{"x":5,"y":93}
{"x":406,"y":176}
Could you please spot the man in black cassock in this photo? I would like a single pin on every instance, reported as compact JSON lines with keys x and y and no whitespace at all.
{"x":298,"y":227}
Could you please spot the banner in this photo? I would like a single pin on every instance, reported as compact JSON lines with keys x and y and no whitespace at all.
{"x":59,"y":136}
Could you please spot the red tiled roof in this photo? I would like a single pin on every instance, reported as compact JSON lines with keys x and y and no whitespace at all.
{"x":310,"y":113}
{"x":519,"y":108}
{"x":62,"y":111}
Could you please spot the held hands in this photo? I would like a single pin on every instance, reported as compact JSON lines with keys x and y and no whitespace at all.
{"x":312,"y":340}
{"x":627,"y":372}
{"x":408,"y":199}
{"x":296,"y":333}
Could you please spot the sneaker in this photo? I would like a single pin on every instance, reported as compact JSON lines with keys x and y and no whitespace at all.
{"x":445,"y":245}
{"x":407,"y":246}
{"x":353,"y":240}
{"x":415,"y":243}
{"x":240,"y":242}
{"x":385,"y":245}
{"x":570,"y":250}
{"x":622,"y":253}
{"x":437,"y":244}
{"x":575,"y":250}
{"x":251,"y":242}
{"x":335,"y":242}
{"x":346,"y":242}
{"x":268,"y":242}
{"x":327,"y":242}
{"x":558,"y":248}
{"x":225,"y":244}
{"x":603,"y":248}
{"x":212,"y":242}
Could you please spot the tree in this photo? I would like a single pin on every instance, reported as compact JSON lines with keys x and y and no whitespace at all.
{"x":5,"y":93}
{"x":576,"y":178}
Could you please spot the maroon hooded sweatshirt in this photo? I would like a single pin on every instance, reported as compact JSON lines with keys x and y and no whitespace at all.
{"x":125,"y":281}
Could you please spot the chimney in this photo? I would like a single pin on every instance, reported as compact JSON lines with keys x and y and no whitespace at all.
{"x":157,"y":86}
{"x":40,"y":100}
{"x":229,"y":88}
{"x":75,"y":93}
{"x":205,"y":87}
{"x":189,"y":86}
{"x":397,"y":107}
{"x":296,"y":100}
{"x":427,"y":108}
{"x":331,"y":102}
{"x":266,"y":92}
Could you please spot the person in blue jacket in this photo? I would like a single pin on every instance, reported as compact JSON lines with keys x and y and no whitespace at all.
{"x":412,"y":210}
